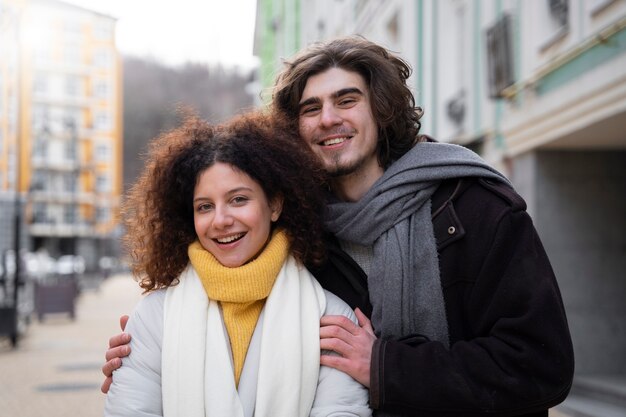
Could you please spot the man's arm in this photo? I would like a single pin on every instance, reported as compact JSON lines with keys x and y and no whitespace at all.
{"x":119,"y":347}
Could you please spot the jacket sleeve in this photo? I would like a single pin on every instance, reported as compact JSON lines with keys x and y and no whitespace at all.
{"x":513,"y":354}
{"x":136,"y":387}
{"x":337,"y":393}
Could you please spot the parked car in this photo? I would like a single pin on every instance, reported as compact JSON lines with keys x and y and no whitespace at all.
{"x":70,"y":264}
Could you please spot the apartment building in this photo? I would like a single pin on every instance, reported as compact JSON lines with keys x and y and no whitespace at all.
{"x":69,"y":129}
{"x":9,"y":99}
{"x":538,"y":88}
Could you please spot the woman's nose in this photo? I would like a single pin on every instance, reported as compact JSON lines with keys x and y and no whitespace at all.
{"x":222,"y":218}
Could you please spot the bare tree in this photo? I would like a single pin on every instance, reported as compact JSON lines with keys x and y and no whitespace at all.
{"x":153,"y":93}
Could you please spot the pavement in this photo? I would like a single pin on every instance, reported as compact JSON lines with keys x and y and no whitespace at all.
{"x":55,"y":369}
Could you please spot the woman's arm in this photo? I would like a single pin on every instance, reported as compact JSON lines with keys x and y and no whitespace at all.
{"x":136,"y":387}
{"x":338,"y":394}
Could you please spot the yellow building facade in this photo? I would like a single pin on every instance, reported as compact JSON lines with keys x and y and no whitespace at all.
{"x":68,"y":127}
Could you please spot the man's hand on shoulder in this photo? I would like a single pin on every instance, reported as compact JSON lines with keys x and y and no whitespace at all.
{"x":352,"y":342}
{"x":118,"y":348}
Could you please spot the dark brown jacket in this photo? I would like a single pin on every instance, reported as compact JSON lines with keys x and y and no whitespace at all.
{"x":510,"y":350}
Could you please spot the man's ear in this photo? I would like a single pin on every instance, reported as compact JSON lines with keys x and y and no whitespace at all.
{"x":276,"y":207}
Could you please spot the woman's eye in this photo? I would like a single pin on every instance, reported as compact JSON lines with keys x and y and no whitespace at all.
{"x":239,"y":200}
{"x":205,"y":207}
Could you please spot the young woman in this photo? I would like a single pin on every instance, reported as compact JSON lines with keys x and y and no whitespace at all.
{"x":219,"y":226}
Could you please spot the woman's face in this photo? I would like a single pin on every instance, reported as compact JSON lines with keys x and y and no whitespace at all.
{"x":232,"y":215}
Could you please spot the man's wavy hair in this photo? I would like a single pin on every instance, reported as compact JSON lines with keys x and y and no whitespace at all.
{"x":158,"y":211}
{"x":385,"y":74}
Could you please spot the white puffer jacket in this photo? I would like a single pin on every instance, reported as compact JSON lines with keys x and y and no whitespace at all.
{"x":136,"y":388}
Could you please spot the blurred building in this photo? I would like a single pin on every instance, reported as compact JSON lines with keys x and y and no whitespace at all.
{"x":538,"y":88}
{"x":61,"y":112}
{"x":10,"y":10}
{"x":277,"y":36}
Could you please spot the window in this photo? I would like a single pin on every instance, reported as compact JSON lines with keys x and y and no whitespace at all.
{"x":39,"y":181}
{"x":500,"y":56}
{"x":102,"y":58}
{"x":103,"y":30}
{"x":103,"y":214}
{"x":553,"y":24}
{"x":559,"y":11}
{"x":40,"y":150}
{"x":102,"y":184}
{"x":72,"y":85}
{"x":72,"y":54}
{"x":40,"y":213}
{"x":69,"y":148}
{"x":103,"y":121}
{"x":41,"y":119}
{"x":69,"y":214}
{"x":72,"y":30}
{"x":103,"y":152}
{"x":41,"y":84}
{"x":69,"y":182}
{"x":101,"y":89}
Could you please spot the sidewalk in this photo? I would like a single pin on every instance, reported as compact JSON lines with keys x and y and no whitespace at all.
{"x":55,"y":370}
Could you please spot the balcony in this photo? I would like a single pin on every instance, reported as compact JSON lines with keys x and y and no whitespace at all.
{"x":54,"y":229}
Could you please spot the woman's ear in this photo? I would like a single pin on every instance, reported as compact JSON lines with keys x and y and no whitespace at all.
{"x":276,"y":207}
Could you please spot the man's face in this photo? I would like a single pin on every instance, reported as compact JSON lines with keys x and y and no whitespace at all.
{"x":336,"y":121}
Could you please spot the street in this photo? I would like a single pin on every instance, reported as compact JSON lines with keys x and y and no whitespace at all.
{"x":55,"y":370}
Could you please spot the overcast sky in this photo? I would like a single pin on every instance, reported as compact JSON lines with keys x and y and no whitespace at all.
{"x":176,"y":31}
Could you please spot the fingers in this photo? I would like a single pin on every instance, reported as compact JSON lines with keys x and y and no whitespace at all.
{"x":341,"y":346}
{"x":118,"y":348}
{"x":106,"y":385}
{"x":352,"y":342}
{"x":123,"y":321}
{"x":358,"y":369}
{"x":117,"y":352}
{"x":340,"y":321}
{"x":364,"y":322}
{"x":110,"y":366}
{"x":119,"y":340}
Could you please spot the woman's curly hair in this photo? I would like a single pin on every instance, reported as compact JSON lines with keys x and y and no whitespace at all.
{"x":385,"y":74}
{"x":158,"y":211}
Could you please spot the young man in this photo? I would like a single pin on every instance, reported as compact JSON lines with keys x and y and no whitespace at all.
{"x":466,"y":315}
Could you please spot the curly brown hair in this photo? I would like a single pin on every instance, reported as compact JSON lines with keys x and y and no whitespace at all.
{"x":158,"y":210}
{"x":393,"y":104}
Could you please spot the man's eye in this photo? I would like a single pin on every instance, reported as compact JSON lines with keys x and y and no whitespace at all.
{"x":347,"y":102}
{"x":308,"y":110}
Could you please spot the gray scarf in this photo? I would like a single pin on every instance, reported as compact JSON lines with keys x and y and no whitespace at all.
{"x":395,"y":218}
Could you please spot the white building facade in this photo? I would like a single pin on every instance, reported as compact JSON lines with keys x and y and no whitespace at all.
{"x":538,"y":88}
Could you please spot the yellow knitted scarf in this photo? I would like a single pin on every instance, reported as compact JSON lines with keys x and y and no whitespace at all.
{"x":241,"y":291}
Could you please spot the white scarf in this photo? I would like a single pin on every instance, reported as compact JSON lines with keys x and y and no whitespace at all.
{"x":197,"y":378}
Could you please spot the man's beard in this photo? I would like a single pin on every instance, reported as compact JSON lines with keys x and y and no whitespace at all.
{"x":336,"y":169}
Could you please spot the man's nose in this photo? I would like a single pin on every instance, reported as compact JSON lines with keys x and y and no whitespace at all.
{"x":330,"y":117}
